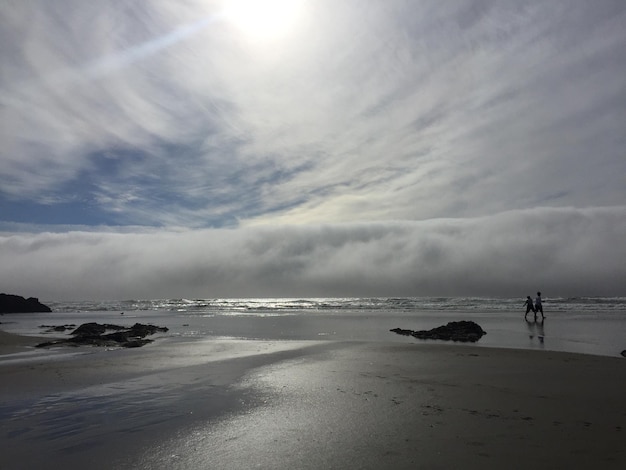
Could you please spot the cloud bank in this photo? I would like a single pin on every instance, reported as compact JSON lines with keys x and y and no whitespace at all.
{"x":563,"y":252}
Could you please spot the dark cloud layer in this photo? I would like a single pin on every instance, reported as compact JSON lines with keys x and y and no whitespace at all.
{"x":564,"y":252}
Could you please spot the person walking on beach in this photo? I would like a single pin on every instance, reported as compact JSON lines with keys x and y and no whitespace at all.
{"x":538,"y":306}
{"x":529,"y":306}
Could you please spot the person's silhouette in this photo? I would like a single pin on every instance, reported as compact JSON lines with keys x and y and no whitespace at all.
{"x":538,"y":305}
{"x":529,"y":306}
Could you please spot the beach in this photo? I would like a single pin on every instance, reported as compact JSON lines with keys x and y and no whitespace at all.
{"x":12,"y":343}
{"x":225,"y":403}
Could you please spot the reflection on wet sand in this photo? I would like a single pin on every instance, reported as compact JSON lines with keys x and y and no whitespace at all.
{"x":536,"y":330}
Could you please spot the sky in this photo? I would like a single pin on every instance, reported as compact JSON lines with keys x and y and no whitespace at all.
{"x":312,"y":148}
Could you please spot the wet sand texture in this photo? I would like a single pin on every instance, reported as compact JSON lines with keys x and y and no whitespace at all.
{"x":311,"y":405}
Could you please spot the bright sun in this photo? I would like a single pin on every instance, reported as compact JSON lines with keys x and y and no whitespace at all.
{"x":263,"y":18}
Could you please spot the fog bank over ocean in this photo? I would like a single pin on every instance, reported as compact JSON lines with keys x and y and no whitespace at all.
{"x":564,"y":252}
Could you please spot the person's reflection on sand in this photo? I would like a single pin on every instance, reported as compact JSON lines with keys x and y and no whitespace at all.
{"x":536,"y":330}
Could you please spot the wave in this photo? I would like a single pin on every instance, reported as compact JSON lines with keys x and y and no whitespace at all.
{"x":329,"y":305}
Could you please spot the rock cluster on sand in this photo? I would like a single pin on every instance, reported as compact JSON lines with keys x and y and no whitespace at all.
{"x":16,"y":304}
{"x":95,"y":334}
{"x":465,"y":331}
{"x":57,"y":328}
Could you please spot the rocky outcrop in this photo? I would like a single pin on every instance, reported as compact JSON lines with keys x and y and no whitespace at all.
{"x":16,"y":304}
{"x":57,"y":328}
{"x":96,"y":334}
{"x":464,"y":331}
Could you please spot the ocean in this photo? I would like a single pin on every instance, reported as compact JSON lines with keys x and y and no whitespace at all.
{"x":589,"y":325}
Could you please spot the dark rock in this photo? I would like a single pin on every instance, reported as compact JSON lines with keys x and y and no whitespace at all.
{"x":142,"y":331}
{"x":89,"y":329}
{"x":400,"y":331}
{"x":60,"y":328}
{"x":95,"y":334}
{"x":16,"y":304}
{"x":464,"y":331}
{"x":95,"y":329}
{"x":57,"y":328}
{"x":624,"y":353}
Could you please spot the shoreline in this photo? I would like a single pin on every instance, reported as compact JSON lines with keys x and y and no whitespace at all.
{"x":226,"y":403}
{"x":586,"y":334}
{"x":11,"y":343}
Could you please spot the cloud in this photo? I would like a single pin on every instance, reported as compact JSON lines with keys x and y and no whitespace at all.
{"x":153,"y":149}
{"x":563,"y":252}
{"x":157,"y":114}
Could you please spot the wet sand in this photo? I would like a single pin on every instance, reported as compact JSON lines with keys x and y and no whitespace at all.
{"x":11,"y":343}
{"x":229,"y":404}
